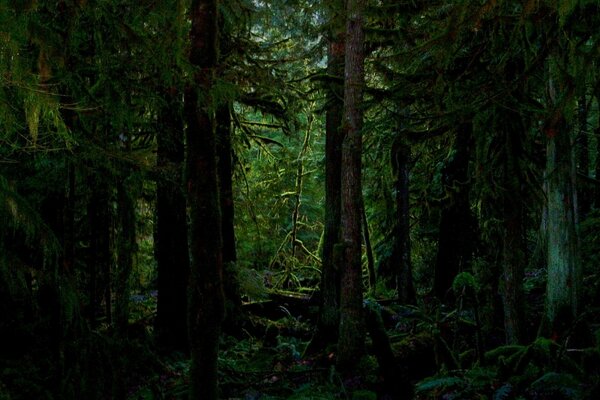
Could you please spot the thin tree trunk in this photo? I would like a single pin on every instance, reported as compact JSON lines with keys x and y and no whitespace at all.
{"x":298,"y":188}
{"x":234,"y":313}
{"x":171,"y":236}
{"x":584,"y":198}
{"x":368,"y":246}
{"x":401,"y":253}
{"x":99,"y":252}
{"x":597,"y":134}
{"x":330,"y":271}
{"x":352,"y":324}
{"x":126,"y":247}
{"x":206,"y":296}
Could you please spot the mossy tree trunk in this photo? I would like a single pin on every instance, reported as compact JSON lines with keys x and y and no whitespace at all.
{"x":352,"y":324}
{"x":597,"y":135}
{"x":206,"y":296}
{"x":234,"y":312}
{"x":564,"y":282}
{"x":330,"y":271}
{"x":400,"y":157}
{"x":564,"y":274}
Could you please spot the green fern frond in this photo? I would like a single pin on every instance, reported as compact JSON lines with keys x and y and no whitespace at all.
{"x":438,"y":384}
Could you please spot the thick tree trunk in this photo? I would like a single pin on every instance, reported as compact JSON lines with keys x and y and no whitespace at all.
{"x":352,"y":324}
{"x":233,"y":306}
{"x":457,"y":224}
{"x":401,"y":250}
{"x":564,"y":282}
{"x":564,"y":274}
{"x":171,"y":236}
{"x":514,"y":247}
{"x":330,"y":271}
{"x":206,"y":297}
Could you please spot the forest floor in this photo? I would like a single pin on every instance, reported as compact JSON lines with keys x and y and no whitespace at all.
{"x":272,"y":360}
{"x":437,"y":354}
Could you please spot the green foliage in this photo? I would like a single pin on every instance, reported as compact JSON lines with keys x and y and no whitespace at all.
{"x":554,"y":384}
{"x":465,"y":281}
{"x":539,"y":370}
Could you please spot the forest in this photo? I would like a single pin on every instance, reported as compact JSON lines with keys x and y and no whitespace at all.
{"x":299,"y":199}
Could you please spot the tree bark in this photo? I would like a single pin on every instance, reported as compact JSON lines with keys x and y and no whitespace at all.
{"x":233,"y":305}
{"x":564,"y":274}
{"x":206,"y":296}
{"x":328,"y":323}
{"x":597,"y":134}
{"x":584,"y":198}
{"x":171,"y":236}
{"x":352,"y":324}
{"x":368,"y":246}
{"x":514,"y":247}
{"x":401,"y":248}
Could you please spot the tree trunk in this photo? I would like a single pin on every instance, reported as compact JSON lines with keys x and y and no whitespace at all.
{"x":584,"y":198}
{"x":564,"y":274}
{"x":368,"y":246}
{"x":564,"y":282}
{"x":401,"y":247}
{"x":171,"y":236}
{"x":99,"y":251}
{"x":233,"y":305}
{"x":126,"y":247}
{"x":299,"y":185}
{"x":206,"y":297}
{"x":457,"y":224}
{"x":352,"y":324}
{"x":514,"y":247}
{"x":597,"y":134}
{"x":330,"y":271}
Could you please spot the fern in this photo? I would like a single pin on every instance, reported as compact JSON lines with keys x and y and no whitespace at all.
{"x":439,"y":383}
{"x":503,"y":392}
{"x":554,"y":384}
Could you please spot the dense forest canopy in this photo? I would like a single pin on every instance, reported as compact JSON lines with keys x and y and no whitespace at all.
{"x":354,"y":199}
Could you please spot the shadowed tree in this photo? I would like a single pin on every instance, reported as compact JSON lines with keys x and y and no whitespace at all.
{"x":206,"y":297}
{"x":330,"y":275}
{"x":352,"y":324}
{"x":171,"y":237}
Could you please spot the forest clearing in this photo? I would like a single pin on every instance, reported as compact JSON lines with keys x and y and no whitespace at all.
{"x":299,"y":199}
